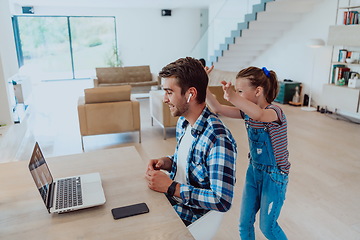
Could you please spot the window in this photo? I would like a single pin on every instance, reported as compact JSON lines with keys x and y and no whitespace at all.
{"x":52,"y":48}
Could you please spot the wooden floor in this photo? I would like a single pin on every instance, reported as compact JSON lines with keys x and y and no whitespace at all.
{"x":323,"y":197}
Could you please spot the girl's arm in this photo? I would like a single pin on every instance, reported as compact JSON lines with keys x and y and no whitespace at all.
{"x":224,"y":110}
{"x":248,"y":107}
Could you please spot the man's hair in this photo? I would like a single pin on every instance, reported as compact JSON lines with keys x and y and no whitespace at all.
{"x":189,"y":72}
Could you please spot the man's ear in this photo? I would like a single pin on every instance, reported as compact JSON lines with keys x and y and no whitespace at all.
{"x":193,"y":92}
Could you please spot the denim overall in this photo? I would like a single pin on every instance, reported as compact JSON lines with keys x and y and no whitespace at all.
{"x":264,"y":189}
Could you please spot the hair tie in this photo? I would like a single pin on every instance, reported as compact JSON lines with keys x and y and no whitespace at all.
{"x":267,"y":72}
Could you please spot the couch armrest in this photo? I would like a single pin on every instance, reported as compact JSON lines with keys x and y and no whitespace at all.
{"x":96,"y":82}
{"x":136,"y":114}
{"x":155,"y":78}
{"x":160,"y":110}
{"x":82,"y":116}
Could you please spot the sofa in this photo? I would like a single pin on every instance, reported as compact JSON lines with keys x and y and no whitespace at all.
{"x":215,"y":86}
{"x":108,"y":110}
{"x":160,"y":111}
{"x":138,"y":77}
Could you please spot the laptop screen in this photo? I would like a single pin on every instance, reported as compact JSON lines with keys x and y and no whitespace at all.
{"x":41,"y":173}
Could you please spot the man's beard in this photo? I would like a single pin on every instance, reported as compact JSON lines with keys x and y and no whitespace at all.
{"x":179,"y":111}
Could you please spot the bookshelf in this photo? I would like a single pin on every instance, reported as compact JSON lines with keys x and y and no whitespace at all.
{"x":345,"y":62}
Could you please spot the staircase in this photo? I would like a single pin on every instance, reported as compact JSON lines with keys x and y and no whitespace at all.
{"x":261,"y":28}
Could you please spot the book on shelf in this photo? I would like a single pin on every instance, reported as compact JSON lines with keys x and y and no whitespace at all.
{"x":351,"y":17}
{"x":348,"y":54}
{"x":341,"y":73}
{"x":335,"y":73}
{"x":342,"y":55}
{"x":346,"y":76}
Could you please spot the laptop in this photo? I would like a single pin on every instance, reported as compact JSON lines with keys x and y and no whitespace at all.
{"x":65,"y":194}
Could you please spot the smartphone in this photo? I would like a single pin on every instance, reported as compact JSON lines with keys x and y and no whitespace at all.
{"x":131,"y":210}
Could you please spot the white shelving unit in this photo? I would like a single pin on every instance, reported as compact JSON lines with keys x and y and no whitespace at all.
{"x":343,"y":99}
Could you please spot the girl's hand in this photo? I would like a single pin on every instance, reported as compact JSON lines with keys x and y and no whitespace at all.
{"x":228,"y":92}
{"x":208,"y":70}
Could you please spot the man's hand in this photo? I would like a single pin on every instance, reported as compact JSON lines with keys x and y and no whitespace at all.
{"x":155,"y":164}
{"x":159,"y":163}
{"x":158,"y":180}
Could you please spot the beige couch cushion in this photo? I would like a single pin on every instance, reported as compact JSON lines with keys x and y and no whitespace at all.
{"x":138,"y":74}
{"x":138,"y":77}
{"x":107,"y":94}
{"x":110,"y":75}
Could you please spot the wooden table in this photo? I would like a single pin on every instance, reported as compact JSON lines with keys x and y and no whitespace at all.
{"x":23,"y":214}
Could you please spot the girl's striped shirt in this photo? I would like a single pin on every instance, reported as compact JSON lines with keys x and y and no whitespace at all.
{"x":278,"y":136}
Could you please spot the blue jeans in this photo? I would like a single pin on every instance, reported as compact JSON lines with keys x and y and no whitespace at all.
{"x":264,"y":190}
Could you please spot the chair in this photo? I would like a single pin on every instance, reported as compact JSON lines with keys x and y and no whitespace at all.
{"x":218,"y":93}
{"x":108,"y":110}
{"x":206,"y":227}
{"x":160,"y":111}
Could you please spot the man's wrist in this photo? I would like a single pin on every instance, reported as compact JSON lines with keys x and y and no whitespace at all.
{"x":172,"y":188}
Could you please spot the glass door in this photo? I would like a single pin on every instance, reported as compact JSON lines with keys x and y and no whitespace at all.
{"x":93,"y":44}
{"x":53,"y":48}
{"x":44,"y":46}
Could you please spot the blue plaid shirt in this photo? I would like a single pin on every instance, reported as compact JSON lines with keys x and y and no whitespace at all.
{"x":210,"y":172}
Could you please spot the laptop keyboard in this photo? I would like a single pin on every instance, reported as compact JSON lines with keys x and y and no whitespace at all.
{"x":68,"y":193}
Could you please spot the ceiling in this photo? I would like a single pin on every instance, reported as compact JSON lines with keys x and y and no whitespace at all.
{"x":170,"y":4}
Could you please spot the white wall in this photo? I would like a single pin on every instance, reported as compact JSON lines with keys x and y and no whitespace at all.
{"x":290,"y":58}
{"x":156,"y":40}
{"x":8,"y":62}
{"x":144,"y":36}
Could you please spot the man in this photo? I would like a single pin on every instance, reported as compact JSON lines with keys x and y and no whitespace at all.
{"x":202,"y":170}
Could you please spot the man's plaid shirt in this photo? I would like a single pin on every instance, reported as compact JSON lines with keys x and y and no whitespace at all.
{"x":210,"y":172}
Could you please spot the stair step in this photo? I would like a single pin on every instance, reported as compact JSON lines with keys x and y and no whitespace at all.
{"x":259,"y":31}
{"x":250,"y":17}
{"x":246,"y":47}
{"x":242,"y":25}
{"x":252,"y":41}
{"x":276,"y":17}
{"x":259,"y":7}
{"x":302,"y":6}
{"x":230,"y":67}
{"x":260,"y":25}
{"x":243,"y":54}
{"x":237,"y":60}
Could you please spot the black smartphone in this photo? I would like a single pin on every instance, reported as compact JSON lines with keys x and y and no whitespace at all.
{"x":131,"y":210}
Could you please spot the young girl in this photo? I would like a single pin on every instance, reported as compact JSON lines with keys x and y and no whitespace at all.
{"x":267,"y":174}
